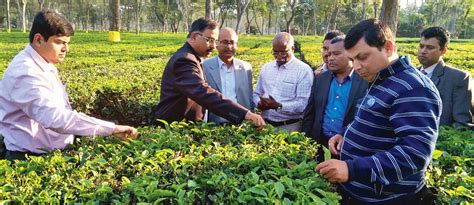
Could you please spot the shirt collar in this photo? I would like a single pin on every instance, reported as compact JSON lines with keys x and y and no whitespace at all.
{"x":222,"y":64}
{"x":429,"y":69}
{"x":403,"y":63}
{"x":349,"y":77}
{"x":40,"y":61}
{"x":286,"y":64}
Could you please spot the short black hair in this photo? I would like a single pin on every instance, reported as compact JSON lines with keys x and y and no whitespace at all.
{"x":202,"y":24}
{"x":374,"y":32}
{"x":49,"y":23}
{"x":439,"y":33}
{"x":332,"y":34}
{"x":338,"y":39}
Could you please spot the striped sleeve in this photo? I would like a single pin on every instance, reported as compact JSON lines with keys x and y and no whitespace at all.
{"x":414,"y":120}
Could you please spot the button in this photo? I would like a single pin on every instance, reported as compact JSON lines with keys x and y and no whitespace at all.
{"x":337,"y":96}
{"x":332,"y":120}
{"x":335,"y":108}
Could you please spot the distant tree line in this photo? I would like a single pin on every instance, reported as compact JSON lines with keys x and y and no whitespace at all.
{"x":302,"y":17}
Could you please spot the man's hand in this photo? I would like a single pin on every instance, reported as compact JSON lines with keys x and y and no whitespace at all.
{"x":334,"y":170}
{"x":256,"y":120}
{"x":267,"y":103}
{"x":335,"y":144}
{"x":123,"y":132}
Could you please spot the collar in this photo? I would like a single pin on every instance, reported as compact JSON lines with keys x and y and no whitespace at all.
{"x":40,"y":61}
{"x":349,"y":77}
{"x":191,"y":50}
{"x":286,"y":64}
{"x":403,"y":63}
{"x":429,"y":69}
{"x":221,"y":64}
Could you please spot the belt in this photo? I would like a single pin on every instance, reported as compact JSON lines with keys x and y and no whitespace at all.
{"x":281,"y":123}
{"x":13,"y":155}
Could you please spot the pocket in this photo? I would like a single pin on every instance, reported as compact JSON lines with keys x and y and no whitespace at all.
{"x":288,"y":89}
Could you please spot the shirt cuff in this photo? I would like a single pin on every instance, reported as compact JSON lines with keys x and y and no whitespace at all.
{"x":350,"y":169}
{"x":105,"y":128}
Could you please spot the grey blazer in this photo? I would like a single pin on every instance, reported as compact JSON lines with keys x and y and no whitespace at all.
{"x":243,"y":83}
{"x":455,"y":88}
{"x":314,"y":112}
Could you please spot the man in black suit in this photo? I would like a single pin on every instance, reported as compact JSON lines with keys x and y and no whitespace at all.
{"x":184,"y":92}
{"x":454,"y":85}
{"x":334,"y":95}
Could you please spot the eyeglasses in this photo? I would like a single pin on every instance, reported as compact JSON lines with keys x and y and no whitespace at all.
{"x":280,"y":53}
{"x":207,"y":39}
{"x":226,"y":42}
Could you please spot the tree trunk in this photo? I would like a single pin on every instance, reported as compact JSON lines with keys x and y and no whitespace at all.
{"x":138,"y":8}
{"x":332,"y":21}
{"x":241,"y":8}
{"x":376,"y":8}
{"x":270,"y":18}
{"x":41,"y":4}
{"x":364,"y":9}
{"x":289,"y":22}
{"x":208,"y":8}
{"x":115,"y":15}
{"x":23,"y":14}
{"x":389,"y":14}
{"x":9,"y":20}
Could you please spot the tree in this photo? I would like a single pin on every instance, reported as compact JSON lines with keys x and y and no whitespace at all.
{"x":208,"y":8}
{"x":291,"y":8}
{"x":9,"y":20}
{"x":389,"y":14}
{"x":115,"y":15}
{"x":23,"y":13}
{"x":241,"y":8}
{"x":333,"y":20}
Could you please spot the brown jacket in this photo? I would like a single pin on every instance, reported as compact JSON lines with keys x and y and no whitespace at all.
{"x":184,"y":92}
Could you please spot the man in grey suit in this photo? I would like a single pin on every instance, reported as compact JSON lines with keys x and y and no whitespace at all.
{"x":229,"y":75}
{"x":454,"y":85}
{"x":334,"y":96}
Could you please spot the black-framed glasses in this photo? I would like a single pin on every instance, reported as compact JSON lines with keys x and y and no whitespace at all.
{"x":280,"y":53}
{"x":207,"y":39}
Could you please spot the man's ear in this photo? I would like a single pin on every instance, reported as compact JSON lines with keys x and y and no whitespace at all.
{"x":38,"y":39}
{"x":444,"y":50}
{"x":390,"y":47}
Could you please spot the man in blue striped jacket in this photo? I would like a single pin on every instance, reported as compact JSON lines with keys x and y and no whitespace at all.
{"x":386,"y":149}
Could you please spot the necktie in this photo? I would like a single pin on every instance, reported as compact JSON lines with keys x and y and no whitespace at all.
{"x":424,"y":72}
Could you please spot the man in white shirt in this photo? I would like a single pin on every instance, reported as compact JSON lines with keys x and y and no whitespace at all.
{"x":35,"y":113}
{"x":284,"y":86}
{"x":229,"y":75}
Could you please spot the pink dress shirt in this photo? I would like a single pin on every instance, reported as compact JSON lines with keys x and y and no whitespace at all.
{"x":35,"y":113}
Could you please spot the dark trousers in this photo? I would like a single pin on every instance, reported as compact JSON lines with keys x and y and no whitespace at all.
{"x":323,"y":142}
{"x":422,"y":197}
{"x":15,"y":155}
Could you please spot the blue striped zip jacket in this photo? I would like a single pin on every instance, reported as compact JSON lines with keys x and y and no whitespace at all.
{"x":390,"y":143}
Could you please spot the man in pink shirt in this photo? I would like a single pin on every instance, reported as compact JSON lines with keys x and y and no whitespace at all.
{"x":35,"y":113}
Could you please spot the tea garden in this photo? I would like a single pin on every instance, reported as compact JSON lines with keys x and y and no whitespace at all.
{"x":195,"y":163}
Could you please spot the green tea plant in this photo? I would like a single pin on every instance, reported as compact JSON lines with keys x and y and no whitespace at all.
{"x":182,"y":164}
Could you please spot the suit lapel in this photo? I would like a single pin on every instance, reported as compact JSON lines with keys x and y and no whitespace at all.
{"x":215,"y":74}
{"x":356,"y":83}
{"x":240,"y":77}
{"x":325,"y":84}
{"x":437,"y":73}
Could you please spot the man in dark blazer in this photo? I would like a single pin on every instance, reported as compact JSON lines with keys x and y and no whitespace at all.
{"x":454,"y":85}
{"x":334,"y":96}
{"x":230,"y":76}
{"x":184,"y":92}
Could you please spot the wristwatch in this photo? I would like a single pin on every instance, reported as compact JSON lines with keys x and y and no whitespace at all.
{"x":280,"y":107}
